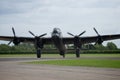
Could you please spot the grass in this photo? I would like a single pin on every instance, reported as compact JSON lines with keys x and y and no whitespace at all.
{"x":57,"y":55}
{"x":89,"y":60}
{"x":16,"y":55}
{"x":82,"y":62}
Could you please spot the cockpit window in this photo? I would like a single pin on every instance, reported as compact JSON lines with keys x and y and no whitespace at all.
{"x":56,"y":30}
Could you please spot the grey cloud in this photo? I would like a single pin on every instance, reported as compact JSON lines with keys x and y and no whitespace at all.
{"x":23,"y":6}
{"x":16,"y":6}
{"x":69,"y":15}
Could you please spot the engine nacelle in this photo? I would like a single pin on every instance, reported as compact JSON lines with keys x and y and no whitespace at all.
{"x":16,"y":41}
{"x":99,"y":40}
{"x":38,"y":43}
{"x":77,"y":42}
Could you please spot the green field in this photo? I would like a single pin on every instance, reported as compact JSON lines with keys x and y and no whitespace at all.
{"x":88,"y":60}
{"x":16,"y":55}
{"x":82,"y":62}
{"x":58,"y":56}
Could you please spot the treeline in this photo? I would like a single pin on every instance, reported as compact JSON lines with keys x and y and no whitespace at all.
{"x":24,"y":47}
{"x":29,"y":48}
{"x":109,"y":46}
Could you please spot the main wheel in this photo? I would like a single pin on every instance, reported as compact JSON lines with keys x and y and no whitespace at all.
{"x":77,"y":53}
{"x":62,"y":53}
{"x":38,"y":53}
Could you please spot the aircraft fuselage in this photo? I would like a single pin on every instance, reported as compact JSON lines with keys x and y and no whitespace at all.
{"x":57,"y":40}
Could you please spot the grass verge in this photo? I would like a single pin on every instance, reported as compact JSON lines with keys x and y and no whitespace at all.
{"x":57,"y":55}
{"x":82,"y":62}
{"x":95,"y":60}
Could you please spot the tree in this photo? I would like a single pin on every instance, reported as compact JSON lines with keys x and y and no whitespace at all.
{"x":4,"y":47}
{"x":99,"y":47}
{"x":20,"y":48}
{"x":25,"y":47}
{"x":111,"y":46}
{"x":88,"y":46}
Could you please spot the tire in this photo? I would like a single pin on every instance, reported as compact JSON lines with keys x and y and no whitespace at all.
{"x":77,"y":53}
{"x":38,"y":53}
{"x":63,"y":55}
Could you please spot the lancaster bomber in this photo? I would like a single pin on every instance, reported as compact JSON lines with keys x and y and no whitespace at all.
{"x":59,"y":41}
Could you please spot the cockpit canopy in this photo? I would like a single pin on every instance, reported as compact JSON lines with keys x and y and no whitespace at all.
{"x":56,"y":30}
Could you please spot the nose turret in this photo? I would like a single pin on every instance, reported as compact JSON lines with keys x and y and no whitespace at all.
{"x":56,"y":32}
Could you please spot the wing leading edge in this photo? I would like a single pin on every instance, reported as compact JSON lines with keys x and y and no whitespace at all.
{"x":25,"y":39}
{"x":91,"y":39}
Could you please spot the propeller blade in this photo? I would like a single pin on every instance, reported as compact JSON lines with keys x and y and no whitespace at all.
{"x":70,"y":34}
{"x":96,"y":31}
{"x":10,"y":42}
{"x":95,"y":43}
{"x":32,"y":33}
{"x":82,"y":33}
{"x":43,"y":35}
{"x":13,"y":31}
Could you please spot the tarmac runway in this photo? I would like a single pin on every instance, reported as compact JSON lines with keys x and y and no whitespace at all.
{"x":13,"y":69}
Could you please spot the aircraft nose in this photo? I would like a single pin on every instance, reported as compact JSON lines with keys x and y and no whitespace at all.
{"x":55,"y":35}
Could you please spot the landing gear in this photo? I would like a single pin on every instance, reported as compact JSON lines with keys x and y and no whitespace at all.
{"x":38,"y":53}
{"x":78,"y":53}
{"x":62,"y":53}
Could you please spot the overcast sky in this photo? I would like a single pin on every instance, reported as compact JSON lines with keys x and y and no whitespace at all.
{"x":75,"y":16}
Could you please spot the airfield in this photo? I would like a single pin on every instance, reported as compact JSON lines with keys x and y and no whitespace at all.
{"x":14,"y":68}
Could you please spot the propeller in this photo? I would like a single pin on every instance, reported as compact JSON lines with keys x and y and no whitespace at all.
{"x":96,"y":32}
{"x":32,"y":33}
{"x":38,"y":42}
{"x":15,"y":39}
{"x":37,"y":36}
{"x":70,"y":34}
{"x":43,"y":35}
{"x":81,"y":33}
{"x":99,"y":38}
{"x":77,"y":42}
{"x":13,"y":32}
{"x":14,"y":36}
{"x":10,"y":42}
{"x":76,"y":35}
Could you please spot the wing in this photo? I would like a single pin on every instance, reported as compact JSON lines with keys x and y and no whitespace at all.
{"x":91,"y":39}
{"x":66,"y":40}
{"x":25,"y":39}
